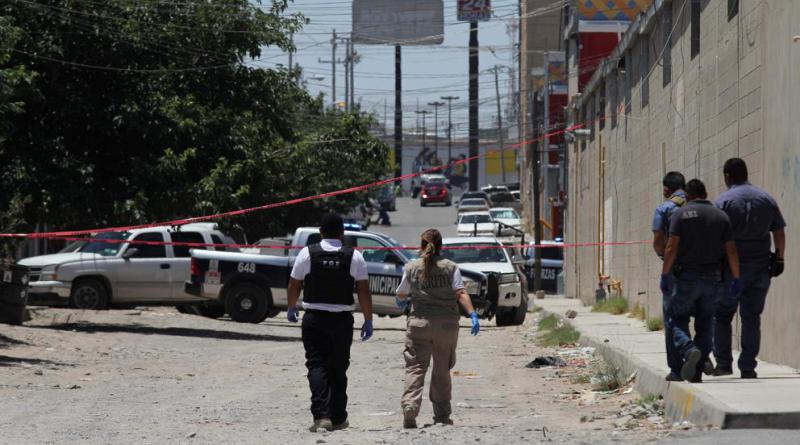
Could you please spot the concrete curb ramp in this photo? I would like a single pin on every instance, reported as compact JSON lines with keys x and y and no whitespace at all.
{"x":771,"y":401}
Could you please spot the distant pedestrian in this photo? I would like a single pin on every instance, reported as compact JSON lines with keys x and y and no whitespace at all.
{"x":672,"y":189}
{"x":700,"y":238}
{"x":329,"y":273}
{"x":434,"y":288}
{"x":754,"y":215}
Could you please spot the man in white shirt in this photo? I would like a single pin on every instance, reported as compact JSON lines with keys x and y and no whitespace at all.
{"x":329,"y":272}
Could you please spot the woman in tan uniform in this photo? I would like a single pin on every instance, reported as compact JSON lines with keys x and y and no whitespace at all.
{"x":434,"y":287}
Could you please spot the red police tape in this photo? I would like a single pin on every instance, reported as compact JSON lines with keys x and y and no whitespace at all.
{"x":184,"y":221}
{"x":290,"y":247}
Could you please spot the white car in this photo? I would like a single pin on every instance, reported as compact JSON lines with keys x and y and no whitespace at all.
{"x":508,"y":217}
{"x":112,"y":270}
{"x":476,"y":224}
{"x":472,"y":205}
{"x":489,"y":257}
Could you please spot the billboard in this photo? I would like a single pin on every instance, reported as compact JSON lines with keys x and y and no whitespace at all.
{"x":474,"y":10}
{"x":393,"y":22}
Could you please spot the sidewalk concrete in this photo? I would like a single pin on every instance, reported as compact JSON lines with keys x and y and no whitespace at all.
{"x":771,"y":401}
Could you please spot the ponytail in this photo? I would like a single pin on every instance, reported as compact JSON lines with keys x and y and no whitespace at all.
{"x":430,"y":248}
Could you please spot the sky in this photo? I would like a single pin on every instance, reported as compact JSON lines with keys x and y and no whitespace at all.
{"x":428,"y":71}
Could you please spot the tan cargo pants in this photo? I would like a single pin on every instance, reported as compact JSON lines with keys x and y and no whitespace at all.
{"x":426,"y":338}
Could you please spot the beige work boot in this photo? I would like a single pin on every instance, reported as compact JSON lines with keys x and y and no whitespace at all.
{"x":321,"y":425}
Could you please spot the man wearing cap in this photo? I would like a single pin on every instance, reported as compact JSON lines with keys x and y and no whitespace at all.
{"x":328,"y":272}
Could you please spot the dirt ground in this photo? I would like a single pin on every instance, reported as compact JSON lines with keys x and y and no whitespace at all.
{"x":153,"y":375}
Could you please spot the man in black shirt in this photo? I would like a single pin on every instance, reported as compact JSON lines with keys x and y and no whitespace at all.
{"x":700,"y":236}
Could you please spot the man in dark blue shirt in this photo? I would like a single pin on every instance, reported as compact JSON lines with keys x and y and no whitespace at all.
{"x":700,"y":237}
{"x":754,"y":215}
{"x":673,"y":185}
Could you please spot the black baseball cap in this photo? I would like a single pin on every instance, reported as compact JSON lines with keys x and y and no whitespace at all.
{"x":331,"y":225}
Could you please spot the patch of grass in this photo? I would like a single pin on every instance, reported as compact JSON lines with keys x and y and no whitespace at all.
{"x":648,"y":400}
{"x":559,"y":336}
{"x":549,"y":322}
{"x":655,"y":324}
{"x":613,"y":305}
{"x":638,"y":312}
{"x":608,"y":377}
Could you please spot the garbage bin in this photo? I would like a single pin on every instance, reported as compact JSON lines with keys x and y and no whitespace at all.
{"x":13,"y":293}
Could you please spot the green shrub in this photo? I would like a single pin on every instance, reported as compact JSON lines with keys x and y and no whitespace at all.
{"x":548,"y":322}
{"x":560,"y":336}
{"x":655,"y":324}
{"x":614,"y":305}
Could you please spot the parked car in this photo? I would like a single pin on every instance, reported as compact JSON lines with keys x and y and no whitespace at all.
{"x":475,"y":224}
{"x":473,"y":205}
{"x":112,"y":271}
{"x":508,"y":217}
{"x":516,"y":195}
{"x":434,"y":179}
{"x":434,"y":192}
{"x":252,"y":287}
{"x":468,"y":195}
{"x":504,"y":199}
{"x":552,"y":264}
{"x":494,"y":188}
{"x":510,"y":303}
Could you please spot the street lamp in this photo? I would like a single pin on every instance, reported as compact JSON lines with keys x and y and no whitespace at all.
{"x":449,"y":100}
{"x":436,"y":106}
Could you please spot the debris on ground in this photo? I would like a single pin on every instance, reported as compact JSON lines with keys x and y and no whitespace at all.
{"x":547,"y":360}
{"x":571,"y":314}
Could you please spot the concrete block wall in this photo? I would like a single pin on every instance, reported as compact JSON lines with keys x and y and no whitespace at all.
{"x":738,"y":97}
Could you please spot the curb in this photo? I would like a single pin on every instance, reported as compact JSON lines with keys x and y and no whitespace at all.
{"x":683,"y":401}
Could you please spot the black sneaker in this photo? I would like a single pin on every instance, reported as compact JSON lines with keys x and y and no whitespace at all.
{"x":409,"y":419}
{"x":749,"y":375}
{"x":444,"y":420}
{"x":708,"y":367}
{"x":672,"y":377}
{"x":341,"y":426}
{"x":720,"y":371}
{"x":689,"y":368}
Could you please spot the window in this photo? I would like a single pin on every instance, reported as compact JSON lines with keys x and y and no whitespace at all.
{"x":484,"y":255}
{"x":149,"y":251}
{"x":733,"y":9}
{"x":103,"y":248}
{"x":186,"y":237}
{"x":666,"y":57}
{"x":371,"y":255}
{"x":695,"y":28}
{"x":644,"y":70}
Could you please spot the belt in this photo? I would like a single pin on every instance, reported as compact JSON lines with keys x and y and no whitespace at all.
{"x":320,"y":311}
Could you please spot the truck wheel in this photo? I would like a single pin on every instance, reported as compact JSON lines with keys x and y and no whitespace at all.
{"x":247,"y":303}
{"x":520,"y":312}
{"x":504,"y":317}
{"x":89,"y":294}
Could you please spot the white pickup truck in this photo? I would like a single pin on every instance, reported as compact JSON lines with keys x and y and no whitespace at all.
{"x":99,"y":274}
{"x":253,"y":286}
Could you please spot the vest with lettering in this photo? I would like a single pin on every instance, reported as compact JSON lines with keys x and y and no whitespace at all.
{"x":433,"y":296}
{"x":329,"y":280}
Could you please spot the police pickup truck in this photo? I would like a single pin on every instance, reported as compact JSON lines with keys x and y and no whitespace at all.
{"x":252,"y":286}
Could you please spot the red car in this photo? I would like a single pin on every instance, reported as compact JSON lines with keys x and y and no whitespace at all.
{"x":436,"y":192}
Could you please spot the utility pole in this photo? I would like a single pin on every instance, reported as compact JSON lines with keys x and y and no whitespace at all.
{"x":347,"y":61}
{"x":496,"y":69}
{"x":424,"y":114}
{"x":473,"y":106}
{"x":449,"y":100}
{"x":291,"y":40}
{"x":537,"y":167}
{"x":398,"y":111}
{"x":333,"y":63}
{"x":353,"y":61}
{"x":436,"y":106}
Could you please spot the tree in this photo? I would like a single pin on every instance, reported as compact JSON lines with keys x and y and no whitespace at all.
{"x":149,"y":111}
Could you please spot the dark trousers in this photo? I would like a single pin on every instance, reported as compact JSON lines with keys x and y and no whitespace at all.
{"x":755,"y":284}
{"x":327,"y":337}
{"x":693,"y":295}
{"x":674,"y":360}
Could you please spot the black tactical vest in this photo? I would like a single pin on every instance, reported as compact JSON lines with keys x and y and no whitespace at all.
{"x":329,"y":280}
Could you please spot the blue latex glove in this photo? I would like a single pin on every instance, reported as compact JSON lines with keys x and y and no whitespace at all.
{"x":664,"y":283}
{"x":476,"y":325}
{"x":736,"y":288}
{"x":402,"y":304}
{"x":366,"y":330}
{"x":292,"y":314}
